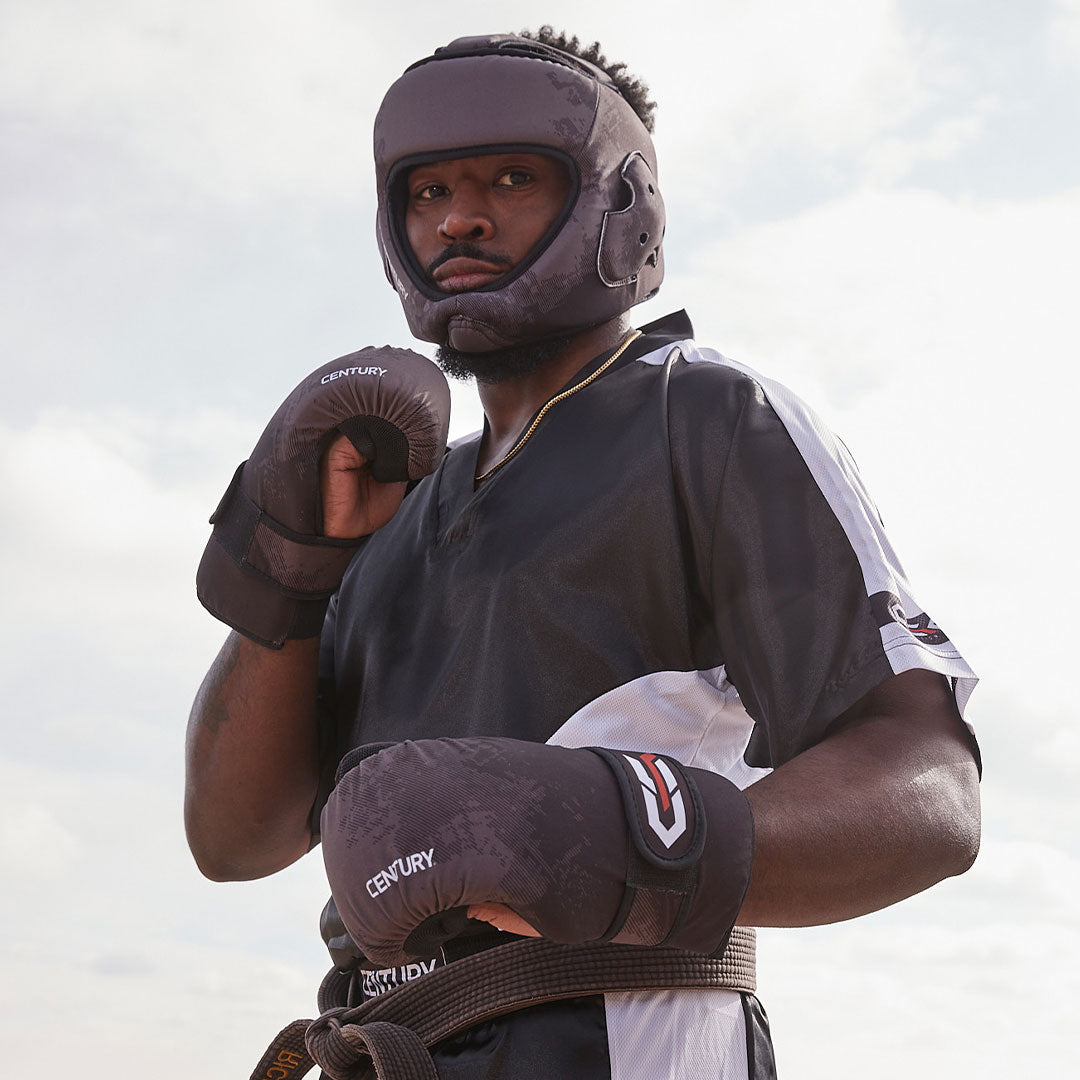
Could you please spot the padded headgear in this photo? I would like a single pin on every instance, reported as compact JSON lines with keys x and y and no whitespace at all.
{"x":602,"y":254}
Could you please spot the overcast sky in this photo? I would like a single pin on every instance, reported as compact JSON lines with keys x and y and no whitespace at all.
{"x":876,"y":202}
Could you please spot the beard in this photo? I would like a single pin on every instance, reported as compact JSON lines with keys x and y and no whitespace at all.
{"x":501,"y":365}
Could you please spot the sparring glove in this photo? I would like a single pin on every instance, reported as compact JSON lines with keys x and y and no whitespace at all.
{"x":267,"y":571}
{"x":584,"y":844}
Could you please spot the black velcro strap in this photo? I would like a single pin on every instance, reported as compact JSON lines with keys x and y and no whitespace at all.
{"x":663,"y":807}
{"x":298,"y":564}
{"x":666,"y":819}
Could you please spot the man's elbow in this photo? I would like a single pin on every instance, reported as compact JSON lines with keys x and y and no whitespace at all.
{"x":215,"y":861}
{"x":217,"y":866}
{"x":214,"y":868}
{"x":957,"y":819}
{"x":969,"y":836}
{"x":224,"y":857}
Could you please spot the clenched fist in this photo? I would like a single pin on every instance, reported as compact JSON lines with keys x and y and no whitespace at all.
{"x":330,"y":468}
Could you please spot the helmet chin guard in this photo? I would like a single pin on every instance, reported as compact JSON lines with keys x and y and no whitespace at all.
{"x":603,"y":254}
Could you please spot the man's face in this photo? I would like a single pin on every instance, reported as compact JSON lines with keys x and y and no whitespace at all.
{"x":470,"y":220}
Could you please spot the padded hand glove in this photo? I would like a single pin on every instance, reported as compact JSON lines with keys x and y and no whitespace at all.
{"x":267,"y":570}
{"x":585,"y":845}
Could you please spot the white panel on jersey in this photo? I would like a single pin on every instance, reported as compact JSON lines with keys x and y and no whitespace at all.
{"x":695,"y":716}
{"x":676,"y":1035}
{"x":837,"y":477}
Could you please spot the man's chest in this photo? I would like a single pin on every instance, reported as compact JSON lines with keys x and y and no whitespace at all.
{"x":502,"y":610}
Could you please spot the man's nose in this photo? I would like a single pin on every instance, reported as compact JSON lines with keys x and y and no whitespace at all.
{"x":467,"y":217}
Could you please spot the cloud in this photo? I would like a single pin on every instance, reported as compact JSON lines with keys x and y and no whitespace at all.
{"x":943,"y":1001}
{"x":168,"y":1012}
{"x":104,"y":640}
{"x":99,"y":528}
{"x":35,"y":844}
{"x":1063,"y":32}
{"x":922,"y":276}
{"x":242,"y":104}
{"x":816,"y":98}
{"x":891,"y":158}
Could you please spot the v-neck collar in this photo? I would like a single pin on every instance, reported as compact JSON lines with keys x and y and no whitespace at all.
{"x":457,"y":487}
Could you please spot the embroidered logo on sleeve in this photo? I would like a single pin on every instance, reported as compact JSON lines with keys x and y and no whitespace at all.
{"x":887,"y":609}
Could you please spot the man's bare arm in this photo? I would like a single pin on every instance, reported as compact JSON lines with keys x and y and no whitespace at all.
{"x":883,"y":808}
{"x":252,"y":759}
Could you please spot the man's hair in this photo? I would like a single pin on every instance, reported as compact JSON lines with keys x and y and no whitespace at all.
{"x":633,"y":89}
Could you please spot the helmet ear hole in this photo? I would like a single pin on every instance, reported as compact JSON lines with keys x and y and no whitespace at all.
{"x":626,"y":232}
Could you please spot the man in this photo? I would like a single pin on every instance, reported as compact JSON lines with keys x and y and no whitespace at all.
{"x":648,"y":549}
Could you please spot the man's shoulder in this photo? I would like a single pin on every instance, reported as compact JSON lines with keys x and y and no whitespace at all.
{"x":701,"y":382}
{"x":694,"y":369}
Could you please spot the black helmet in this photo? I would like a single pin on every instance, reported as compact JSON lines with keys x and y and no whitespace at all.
{"x":603,"y":253}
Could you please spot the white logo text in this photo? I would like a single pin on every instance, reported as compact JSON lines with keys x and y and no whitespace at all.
{"x":402,"y":866}
{"x":378,"y":982}
{"x":340,"y":374}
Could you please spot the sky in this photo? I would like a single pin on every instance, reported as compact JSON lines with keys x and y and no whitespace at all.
{"x":874,"y":201}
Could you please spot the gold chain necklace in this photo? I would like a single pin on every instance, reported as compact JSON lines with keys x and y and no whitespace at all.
{"x":634,"y":335}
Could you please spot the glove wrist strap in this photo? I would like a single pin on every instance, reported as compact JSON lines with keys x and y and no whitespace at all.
{"x":262,"y":578}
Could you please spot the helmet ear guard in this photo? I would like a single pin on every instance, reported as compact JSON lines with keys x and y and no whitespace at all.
{"x":630,"y":238}
{"x":479,"y":95}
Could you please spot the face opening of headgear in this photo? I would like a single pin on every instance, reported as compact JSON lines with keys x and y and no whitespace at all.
{"x":603,"y":253}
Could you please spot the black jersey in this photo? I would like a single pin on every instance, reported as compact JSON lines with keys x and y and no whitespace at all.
{"x":681,"y":559}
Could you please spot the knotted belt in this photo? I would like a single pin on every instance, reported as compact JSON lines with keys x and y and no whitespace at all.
{"x":394,"y":1030}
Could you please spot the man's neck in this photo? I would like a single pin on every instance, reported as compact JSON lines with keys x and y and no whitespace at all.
{"x":510,"y":405}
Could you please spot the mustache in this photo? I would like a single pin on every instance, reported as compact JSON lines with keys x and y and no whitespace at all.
{"x":465,"y":250}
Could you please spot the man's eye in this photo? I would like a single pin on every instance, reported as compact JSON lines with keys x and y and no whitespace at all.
{"x":514,"y":178}
{"x":429,"y":192}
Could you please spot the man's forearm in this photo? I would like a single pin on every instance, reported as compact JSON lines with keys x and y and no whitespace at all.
{"x":880,"y":810}
{"x":252,"y":759}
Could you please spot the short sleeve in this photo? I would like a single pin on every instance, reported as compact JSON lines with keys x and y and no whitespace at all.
{"x":812,"y":608}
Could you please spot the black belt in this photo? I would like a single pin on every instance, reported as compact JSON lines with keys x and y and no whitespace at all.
{"x":395,"y":1029}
